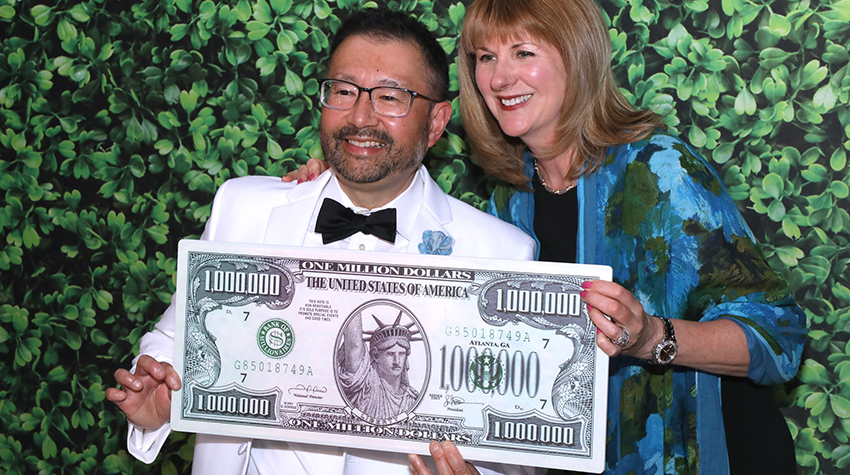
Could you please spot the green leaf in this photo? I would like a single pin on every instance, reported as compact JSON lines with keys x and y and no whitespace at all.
{"x":274,"y":149}
{"x":773,"y":185}
{"x":321,"y":9}
{"x":259,"y":113}
{"x":66,"y":30}
{"x":839,"y":189}
{"x":457,"y":12}
{"x":817,"y":265}
{"x":164,"y":146}
{"x":73,"y":340}
{"x":696,"y":136}
{"x":18,"y":142}
{"x":745,"y":103}
{"x":257,"y":30}
{"x":841,"y":455}
{"x":813,"y":73}
{"x":841,"y":292}
{"x":243,"y":10}
{"x":178,"y":31}
{"x":776,"y":211}
{"x":48,"y":448}
{"x":838,"y":160}
{"x":103,"y":299}
{"x":790,"y":228}
{"x":98,"y":337}
{"x":815,"y":173}
{"x":293,"y":83}
{"x":825,"y":97}
{"x":189,"y":100}
{"x":267,"y":65}
{"x":6,"y":12}
{"x":41,"y":14}
{"x":840,"y":406}
{"x":281,"y":6}
{"x":158,"y":234}
{"x":817,"y":403}
{"x":206,"y":10}
{"x":57,"y":374}
{"x":284,"y":43}
{"x":812,"y":372}
{"x":31,"y":237}
{"x":779,"y":25}
{"x":199,"y":141}
{"x":78,"y":12}
{"x":65,"y":399}
{"x":772,"y":57}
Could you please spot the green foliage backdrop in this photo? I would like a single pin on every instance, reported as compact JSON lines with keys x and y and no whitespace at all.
{"x":119,"y":119}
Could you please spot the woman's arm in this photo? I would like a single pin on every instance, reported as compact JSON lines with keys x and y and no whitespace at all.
{"x":681,"y":250}
{"x":718,"y":346}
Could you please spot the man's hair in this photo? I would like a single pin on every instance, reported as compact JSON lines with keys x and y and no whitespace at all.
{"x":387,"y":25}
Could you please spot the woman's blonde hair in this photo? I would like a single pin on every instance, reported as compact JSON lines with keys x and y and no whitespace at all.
{"x":595,"y":114}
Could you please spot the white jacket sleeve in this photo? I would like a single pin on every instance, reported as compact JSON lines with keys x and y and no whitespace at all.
{"x":144,"y":444}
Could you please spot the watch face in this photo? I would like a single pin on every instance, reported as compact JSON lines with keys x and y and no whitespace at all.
{"x":665,"y":352}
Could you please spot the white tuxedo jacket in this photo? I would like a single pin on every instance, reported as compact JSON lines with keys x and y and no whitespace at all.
{"x":266,"y":210}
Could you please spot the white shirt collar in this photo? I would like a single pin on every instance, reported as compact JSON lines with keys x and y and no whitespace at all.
{"x":407,"y":205}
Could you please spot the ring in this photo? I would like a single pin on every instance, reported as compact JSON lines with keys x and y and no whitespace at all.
{"x":623,"y":341}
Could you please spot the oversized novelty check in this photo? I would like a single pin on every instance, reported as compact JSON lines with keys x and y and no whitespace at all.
{"x":390,"y":351}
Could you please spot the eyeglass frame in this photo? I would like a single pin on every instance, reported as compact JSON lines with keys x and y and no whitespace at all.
{"x":360,"y":90}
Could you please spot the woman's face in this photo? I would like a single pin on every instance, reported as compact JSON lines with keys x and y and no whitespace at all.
{"x":523,"y":81}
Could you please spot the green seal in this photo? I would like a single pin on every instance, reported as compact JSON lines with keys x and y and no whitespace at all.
{"x":275,"y":338}
{"x":485,"y":372}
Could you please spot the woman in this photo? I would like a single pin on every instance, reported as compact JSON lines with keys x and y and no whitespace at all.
{"x":597,"y":182}
{"x":594,"y":181}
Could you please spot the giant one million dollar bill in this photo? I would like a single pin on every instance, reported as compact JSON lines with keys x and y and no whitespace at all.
{"x":390,"y":351}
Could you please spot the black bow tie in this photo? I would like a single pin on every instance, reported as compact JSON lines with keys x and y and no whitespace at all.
{"x":336,"y":222}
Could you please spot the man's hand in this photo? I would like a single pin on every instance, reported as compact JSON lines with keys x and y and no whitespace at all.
{"x":145,"y":396}
{"x":447,"y":458}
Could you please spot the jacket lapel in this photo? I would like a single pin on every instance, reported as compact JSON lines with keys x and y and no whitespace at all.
{"x":434,"y":215}
{"x":289,"y":223}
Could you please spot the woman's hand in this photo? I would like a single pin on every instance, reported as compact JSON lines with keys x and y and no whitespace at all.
{"x":447,"y":458}
{"x":308,"y":172}
{"x":718,"y":346}
{"x":628,"y":330}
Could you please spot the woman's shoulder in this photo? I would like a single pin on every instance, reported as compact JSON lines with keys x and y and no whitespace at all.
{"x":665,"y":154}
{"x":657,"y":142}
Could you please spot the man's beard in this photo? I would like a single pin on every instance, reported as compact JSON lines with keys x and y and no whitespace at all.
{"x":374,"y":168}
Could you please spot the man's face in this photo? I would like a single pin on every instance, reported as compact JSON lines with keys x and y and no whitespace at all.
{"x":364,"y":147}
{"x":390,"y":363}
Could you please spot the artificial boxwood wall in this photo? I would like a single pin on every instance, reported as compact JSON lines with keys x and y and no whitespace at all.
{"x":119,"y":119}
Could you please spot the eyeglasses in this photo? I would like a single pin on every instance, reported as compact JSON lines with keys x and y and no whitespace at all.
{"x":388,"y":101}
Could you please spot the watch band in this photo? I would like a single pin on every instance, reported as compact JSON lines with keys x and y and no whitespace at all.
{"x":665,"y":351}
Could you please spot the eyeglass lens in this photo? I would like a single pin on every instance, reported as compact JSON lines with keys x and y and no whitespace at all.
{"x":389,"y":101}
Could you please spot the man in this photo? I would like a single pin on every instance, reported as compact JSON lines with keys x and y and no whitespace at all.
{"x":380,"y":115}
{"x":378,"y":385}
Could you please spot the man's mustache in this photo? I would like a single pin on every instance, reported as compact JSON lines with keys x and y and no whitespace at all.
{"x":363,"y":134}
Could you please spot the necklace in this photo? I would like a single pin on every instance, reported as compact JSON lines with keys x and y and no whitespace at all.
{"x":548,"y":188}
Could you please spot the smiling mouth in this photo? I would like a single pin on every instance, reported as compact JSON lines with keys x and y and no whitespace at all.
{"x":366,"y":143}
{"x":515,"y":100}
